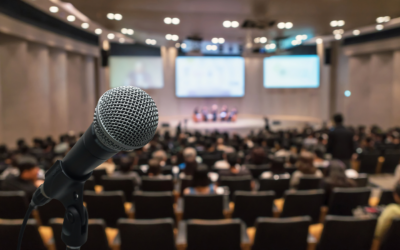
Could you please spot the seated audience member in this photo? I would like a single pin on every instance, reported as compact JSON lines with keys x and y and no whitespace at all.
{"x":161,"y":156}
{"x":391,"y":212}
{"x":319,"y":161}
{"x":335,"y":177}
{"x":305,"y":167}
{"x":189,"y":157}
{"x":201,"y":184}
{"x":257,"y":156}
{"x":108,"y":165}
{"x":224,"y":164}
{"x":221,"y":144}
{"x":125,"y":170}
{"x":234,"y":168}
{"x":26,"y":181}
{"x":277,"y":168}
{"x":154,"y":170}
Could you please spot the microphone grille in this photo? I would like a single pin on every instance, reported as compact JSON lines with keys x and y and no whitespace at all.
{"x":125,"y":118}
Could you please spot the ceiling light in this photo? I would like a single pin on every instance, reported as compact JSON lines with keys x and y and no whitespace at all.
{"x":288,"y":25}
{"x":151,"y":41}
{"x":235,"y":24}
{"x":110,"y":16}
{"x":111,"y":36}
{"x":295,"y":42}
{"x":356,"y":32}
{"x":221,"y":40}
{"x":85,"y":25}
{"x":347,"y":93}
{"x":338,"y":31}
{"x":270,"y":46}
{"x":175,"y":21}
{"x":71,"y":18}
{"x":168,"y":36}
{"x":263,"y":39}
{"x":281,"y":25}
{"x":53,"y":9}
{"x":386,"y":18}
{"x":124,"y":31}
{"x":183,"y":45}
{"x":338,"y":36}
{"x":167,"y":20}
{"x":177,"y":45}
{"x":319,"y":41}
{"x":299,"y":37}
{"x":98,"y":31}
{"x":256,"y":40}
{"x":334,"y":23}
{"x":122,"y":40}
{"x":214,"y":47}
{"x":379,"y":27}
{"x":227,"y":24}
{"x":175,"y":37}
{"x":148,"y":41}
{"x":340,"y":23}
{"x":131,"y":31}
{"x":208,"y":47}
{"x":304,"y":37}
{"x":118,"y":17}
{"x":214,"y":40}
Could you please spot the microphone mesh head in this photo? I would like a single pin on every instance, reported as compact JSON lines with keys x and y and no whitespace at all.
{"x":125,"y":118}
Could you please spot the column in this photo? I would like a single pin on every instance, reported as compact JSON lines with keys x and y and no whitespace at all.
{"x":396,"y":90}
{"x":89,"y":99}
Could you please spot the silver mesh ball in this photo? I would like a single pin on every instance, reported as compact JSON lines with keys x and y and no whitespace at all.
{"x":125,"y":118}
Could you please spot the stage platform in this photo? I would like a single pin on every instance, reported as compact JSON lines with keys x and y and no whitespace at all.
{"x":243,"y":125}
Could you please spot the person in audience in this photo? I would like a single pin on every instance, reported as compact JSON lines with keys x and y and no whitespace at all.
{"x":221,"y":144}
{"x":319,"y":160}
{"x":391,"y":212}
{"x":125,"y":170}
{"x":189,"y":157}
{"x":161,"y":156}
{"x":234,"y":168}
{"x":224,"y":164}
{"x":305,"y":167}
{"x":340,"y":141}
{"x":154,"y":170}
{"x":335,"y":177}
{"x":201,"y":183}
{"x":277,"y":168}
{"x":27,"y":180}
{"x":257,"y":156}
{"x":108,"y":165}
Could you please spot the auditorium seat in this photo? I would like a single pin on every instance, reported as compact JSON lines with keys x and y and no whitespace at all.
{"x":361,"y":180}
{"x":392,"y":240}
{"x":257,"y":170}
{"x":97,"y":174}
{"x":210,"y":160}
{"x":392,"y":159}
{"x":236,"y":183}
{"x":251,"y":205}
{"x":281,"y":233}
{"x":212,"y":234}
{"x":97,"y":238}
{"x":89,"y":184}
{"x":203,"y":206}
{"x":157,"y":184}
{"x":279,"y":185}
{"x":115,"y":183}
{"x":146,"y":234}
{"x":154,"y":205}
{"x":106,"y":205}
{"x":184,"y":183}
{"x":344,"y":200}
{"x":386,"y":197}
{"x":53,"y":209}
{"x":309,"y":183}
{"x":302,"y":203}
{"x":13,"y":204}
{"x":166,"y":170}
{"x":9,"y":230}
{"x":347,"y":232}
{"x":369,"y":163}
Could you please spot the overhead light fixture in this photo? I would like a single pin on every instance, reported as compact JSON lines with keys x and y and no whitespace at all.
{"x":270,"y":46}
{"x":383,"y":19}
{"x":175,"y":38}
{"x":334,"y":23}
{"x":299,"y":37}
{"x":304,"y":37}
{"x":227,"y":24}
{"x":319,"y":40}
{"x":288,"y":25}
{"x":176,"y":20}
{"x":235,"y":24}
{"x":296,"y":42}
{"x":386,"y":19}
{"x":71,"y":18}
{"x":338,"y":36}
{"x":263,"y":39}
{"x":110,"y":16}
{"x":215,"y":40}
{"x":151,"y":41}
{"x":85,"y":25}
{"x":281,"y":25}
{"x":167,"y":20}
{"x":131,"y":31}
{"x":124,"y":31}
{"x":379,"y":27}
{"x":118,"y":17}
{"x":183,"y":45}
{"x":340,"y":23}
{"x":168,"y":36}
{"x":347,"y":93}
{"x":53,"y":9}
{"x":98,"y":31}
{"x":257,"y":40}
{"x":122,"y":40}
{"x":110,"y":36}
{"x":177,"y":45}
{"x":338,"y":31}
{"x":356,"y":32}
{"x":221,"y":40}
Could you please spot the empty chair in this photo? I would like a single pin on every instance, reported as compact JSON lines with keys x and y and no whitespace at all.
{"x":302,"y":203}
{"x":392,"y":159}
{"x":251,"y":205}
{"x":212,"y":234}
{"x":89,"y":184}
{"x":309,"y":182}
{"x":53,"y":209}
{"x":391,"y":240}
{"x":9,"y":230}
{"x":184,"y":183}
{"x":257,"y":170}
{"x":369,"y":162}
{"x":344,"y":200}
{"x":236,"y":183}
{"x":386,"y":197}
{"x":203,"y":206}
{"x":347,"y":233}
{"x":361,"y":180}
{"x":279,"y":185}
{"x":97,"y":238}
{"x":147,"y":234}
{"x":106,"y":205}
{"x":97,"y":174}
{"x":157,"y":184}
{"x":115,"y":183}
{"x":281,"y":233}
{"x":13,"y":204}
{"x":154,"y":205}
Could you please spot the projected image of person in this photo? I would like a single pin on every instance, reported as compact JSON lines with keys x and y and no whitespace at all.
{"x":214,"y":112}
{"x":223,"y":115}
{"x":204,"y":112}
{"x":197,"y":115}
{"x":139,"y":77}
{"x":233,"y":115}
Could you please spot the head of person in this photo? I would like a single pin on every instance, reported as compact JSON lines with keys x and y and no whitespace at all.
{"x":338,"y":119}
{"x":20,"y":143}
{"x":200,"y":177}
{"x":220,"y":141}
{"x":396,"y":193}
{"x":319,"y":154}
{"x":278,"y":165}
{"x":125,"y":164}
{"x":305,"y":163}
{"x":232,"y":159}
{"x":28,"y":168}
{"x":189,"y":154}
{"x":258,"y":155}
{"x":161,"y":156}
{"x":369,"y":142}
{"x":154,"y":168}
{"x":336,"y":174}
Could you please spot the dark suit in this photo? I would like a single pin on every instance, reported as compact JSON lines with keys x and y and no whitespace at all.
{"x":340,"y":143}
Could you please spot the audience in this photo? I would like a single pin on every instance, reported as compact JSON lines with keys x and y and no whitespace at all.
{"x":125,"y":170}
{"x":305,"y":167}
{"x":224,"y":164}
{"x":277,"y":168}
{"x":257,"y":156}
{"x":201,"y":183}
{"x":234,"y":168}
{"x":161,"y":156}
{"x":190,"y":164}
{"x":108,"y":165}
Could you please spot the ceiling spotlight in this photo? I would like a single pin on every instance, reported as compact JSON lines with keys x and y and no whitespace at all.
{"x":235,"y":24}
{"x":319,"y":41}
{"x":118,"y":17}
{"x":131,"y":31}
{"x":110,"y":16}
{"x":53,"y":9}
{"x":71,"y":18}
{"x":124,"y":31}
{"x":299,"y":37}
{"x":227,"y":24}
{"x":263,"y":39}
{"x":148,"y":41}
{"x":214,"y":40}
{"x":214,"y":47}
{"x":379,"y":19}
{"x":111,"y":36}
{"x":347,"y":93}
{"x":167,"y":20}
{"x":379,"y":27}
{"x":340,"y":23}
{"x":338,"y":36}
{"x":338,"y":31}
{"x":295,"y":42}
{"x":168,"y":36}
{"x":183,"y":45}
{"x":221,"y":40}
{"x":208,"y":47}
{"x":356,"y":32}
{"x":334,"y":23}
{"x":175,"y":37}
{"x":386,"y":18}
{"x":177,"y":45}
{"x":304,"y":37}
{"x":98,"y":31}
{"x":175,"y":21}
{"x":257,"y":40}
{"x":281,"y":25}
{"x":122,"y":40}
{"x":288,"y":25}
{"x":270,"y":46}
{"x":85,"y":25}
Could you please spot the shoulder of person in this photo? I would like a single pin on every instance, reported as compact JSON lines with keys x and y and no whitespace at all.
{"x":393,"y":208}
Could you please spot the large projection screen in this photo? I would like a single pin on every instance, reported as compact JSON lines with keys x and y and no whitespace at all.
{"x":297,"y":71}
{"x":209,"y":76}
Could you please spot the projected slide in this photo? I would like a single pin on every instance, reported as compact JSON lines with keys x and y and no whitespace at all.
{"x":145,"y":72}
{"x":211,"y":76}
{"x":291,"y":71}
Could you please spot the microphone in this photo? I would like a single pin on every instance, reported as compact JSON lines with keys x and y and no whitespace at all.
{"x":125,"y":118}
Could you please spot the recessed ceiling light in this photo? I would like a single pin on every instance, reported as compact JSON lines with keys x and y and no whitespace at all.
{"x":334,"y":23}
{"x":356,"y":32}
{"x":53,"y":9}
{"x":85,"y":25}
{"x":175,"y":21}
{"x":168,"y":36}
{"x":110,"y":16}
{"x":263,"y":39}
{"x":338,"y":31}
{"x":347,"y":93}
{"x":167,"y":20}
{"x":386,"y":18}
{"x":214,"y":40}
{"x":338,"y":36}
{"x":118,"y":17}
{"x":319,"y":41}
{"x":71,"y":18}
{"x":111,"y":36}
{"x":299,"y":37}
{"x":340,"y":23}
{"x":183,"y":45}
{"x":295,"y":42}
{"x":227,"y":24}
{"x":98,"y":31}
{"x":304,"y":37}
{"x":288,"y":25}
{"x":175,"y":37}
{"x":122,"y":40}
{"x":177,"y":45}
{"x":281,"y":25}
{"x":124,"y":31}
{"x":221,"y":40}
{"x":208,"y":47}
{"x":379,"y":27}
{"x":235,"y":24}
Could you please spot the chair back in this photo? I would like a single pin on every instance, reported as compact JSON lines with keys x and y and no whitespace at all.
{"x":236,"y":183}
{"x":9,"y":231}
{"x":203,"y":206}
{"x":53,"y":209}
{"x":154,"y":205}
{"x":157,"y":184}
{"x":116,"y":183}
{"x":361,"y":180}
{"x":344,"y":200}
{"x":97,"y":174}
{"x":392,"y":159}
{"x":279,"y":186}
{"x":369,"y":162}
{"x":185,"y":183}
{"x":257,"y":170}
{"x":386,"y":197}
{"x":13,"y":204}
{"x":309,"y":183}
{"x":89,"y":184}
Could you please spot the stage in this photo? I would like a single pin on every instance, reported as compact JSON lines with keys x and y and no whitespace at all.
{"x":243,"y":125}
